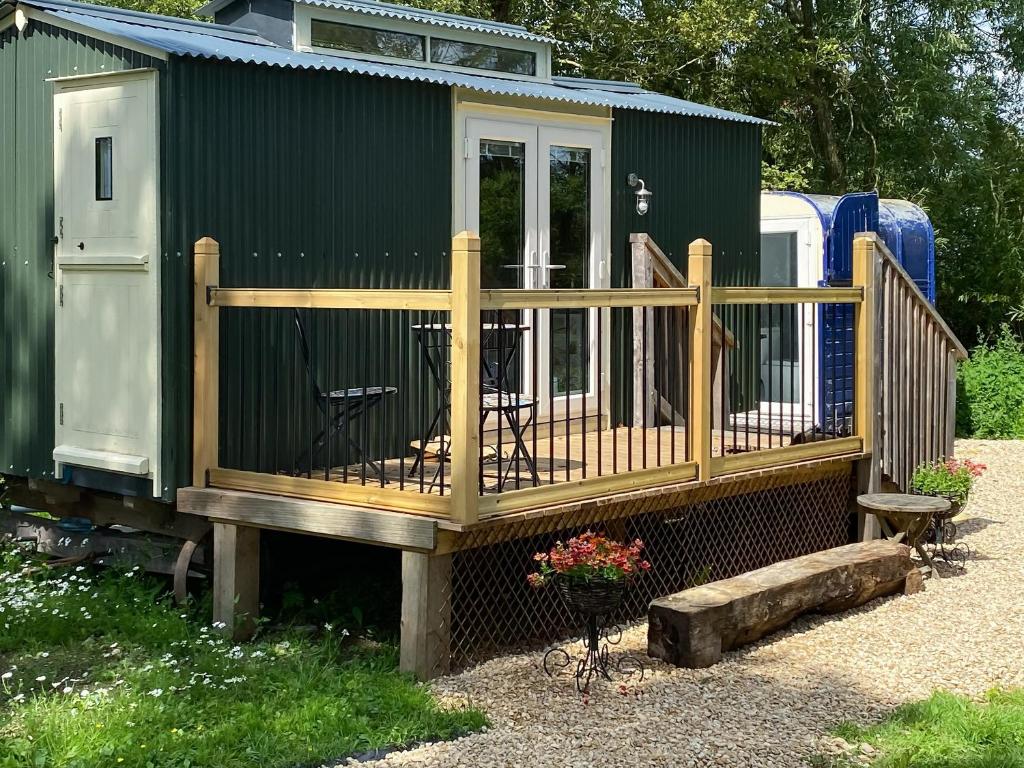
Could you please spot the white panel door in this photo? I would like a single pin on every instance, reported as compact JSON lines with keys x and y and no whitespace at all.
{"x":107,"y":338}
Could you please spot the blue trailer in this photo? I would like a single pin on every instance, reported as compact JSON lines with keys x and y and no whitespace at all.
{"x":806,"y":241}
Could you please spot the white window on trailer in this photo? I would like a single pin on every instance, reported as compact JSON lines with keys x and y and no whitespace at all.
{"x":107,"y":328}
{"x":787,"y":381}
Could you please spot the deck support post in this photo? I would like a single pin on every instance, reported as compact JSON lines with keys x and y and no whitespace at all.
{"x":698,"y":430}
{"x":206,"y":352}
{"x":645,"y":389}
{"x":425,"y":647}
{"x":236,"y":578}
{"x":867,"y":267}
{"x":465,"y":394}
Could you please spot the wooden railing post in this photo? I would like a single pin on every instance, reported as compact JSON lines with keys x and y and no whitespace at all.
{"x":864,"y":405}
{"x":206,"y":360}
{"x":465,"y":395}
{"x":866,"y":413}
{"x":698,"y":430}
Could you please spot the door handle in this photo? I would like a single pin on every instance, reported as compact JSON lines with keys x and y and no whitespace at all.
{"x":81,"y":246}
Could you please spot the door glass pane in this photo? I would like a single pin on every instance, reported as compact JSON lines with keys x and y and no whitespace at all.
{"x":780,"y":324}
{"x":569,"y":208}
{"x":105,"y":168}
{"x":502,"y":213}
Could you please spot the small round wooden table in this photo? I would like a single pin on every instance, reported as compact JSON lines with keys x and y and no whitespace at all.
{"x":905,"y":513}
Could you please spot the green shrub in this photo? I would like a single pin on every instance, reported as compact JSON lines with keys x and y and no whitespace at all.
{"x":990,"y":389}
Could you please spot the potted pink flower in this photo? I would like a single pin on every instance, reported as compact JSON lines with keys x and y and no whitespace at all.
{"x":950,"y":479}
{"x":590,"y":571}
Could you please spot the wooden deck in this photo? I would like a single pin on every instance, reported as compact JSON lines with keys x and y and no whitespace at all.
{"x":559,"y":459}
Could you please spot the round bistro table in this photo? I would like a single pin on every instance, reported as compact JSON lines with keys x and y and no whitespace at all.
{"x":906,"y":513}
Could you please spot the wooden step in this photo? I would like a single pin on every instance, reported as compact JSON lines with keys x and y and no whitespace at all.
{"x":694,"y":627}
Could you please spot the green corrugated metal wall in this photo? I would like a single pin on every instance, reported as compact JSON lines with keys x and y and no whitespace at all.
{"x":26,"y":230}
{"x":706,"y":178}
{"x":306,"y":179}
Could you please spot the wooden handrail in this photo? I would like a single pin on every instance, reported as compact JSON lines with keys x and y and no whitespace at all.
{"x":586,"y":298}
{"x":330,"y":298}
{"x":731,"y":295}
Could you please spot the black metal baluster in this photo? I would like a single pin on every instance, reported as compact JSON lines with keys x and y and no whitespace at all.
{"x":600,"y":380}
{"x":585,"y":372}
{"x":423,"y":340}
{"x":534,"y":374}
{"x":403,"y":387}
{"x":382,"y":382}
{"x":646,"y":391}
{"x":614,"y":426}
{"x":567,"y":387}
{"x":726,"y":311}
{"x":313,"y":417}
{"x":771,"y":374}
{"x":551,"y":398}
{"x":685,"y":406}
{"x":760,"y":324}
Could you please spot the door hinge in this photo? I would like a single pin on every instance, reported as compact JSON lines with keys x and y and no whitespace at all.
{"x":465,"y":148}
{"x":62,"y":414}
{"x":61,"y":297}
{"x":60,"y":119}
{"x":60,"y":228}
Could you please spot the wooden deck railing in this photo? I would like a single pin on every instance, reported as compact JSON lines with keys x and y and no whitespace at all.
{"x":917,"y":375}
{"x":686,"y":441}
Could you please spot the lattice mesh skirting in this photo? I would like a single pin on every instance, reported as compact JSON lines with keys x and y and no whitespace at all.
{"x":718,"y":532}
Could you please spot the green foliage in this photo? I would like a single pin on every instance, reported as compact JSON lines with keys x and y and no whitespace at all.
{"x":947,"y":731}
{"x":185,"y":9}
{"x":919,"y":99}
{"x":99,"y":669}
{"x":990,"y":398}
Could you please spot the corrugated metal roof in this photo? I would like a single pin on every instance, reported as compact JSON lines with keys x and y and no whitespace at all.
{"x":447,"y":20}
{"x":200,"y":40}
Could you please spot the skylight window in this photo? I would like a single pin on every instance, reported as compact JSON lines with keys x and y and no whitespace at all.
{"x":358,"y":39}
{"x":459,"y":53}
{"x":385,"y":33}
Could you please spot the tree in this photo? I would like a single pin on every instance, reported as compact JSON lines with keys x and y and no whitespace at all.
{"x":919,"y":99}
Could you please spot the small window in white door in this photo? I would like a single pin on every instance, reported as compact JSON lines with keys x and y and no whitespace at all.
{"x":105,"y":168}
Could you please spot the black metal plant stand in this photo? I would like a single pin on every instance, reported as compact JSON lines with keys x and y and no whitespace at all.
{"x":594,"y":604}
{"x":940,"y":537}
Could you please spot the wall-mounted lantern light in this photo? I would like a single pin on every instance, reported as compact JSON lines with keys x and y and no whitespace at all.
{"x":643,"y":195}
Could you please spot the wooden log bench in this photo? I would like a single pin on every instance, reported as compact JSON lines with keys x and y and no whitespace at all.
{"x":694,"y":627}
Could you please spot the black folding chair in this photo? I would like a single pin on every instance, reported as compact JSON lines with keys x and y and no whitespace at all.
{"x":339,"y":408}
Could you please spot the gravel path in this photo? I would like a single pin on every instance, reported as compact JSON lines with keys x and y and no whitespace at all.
{"x":773,"y":703}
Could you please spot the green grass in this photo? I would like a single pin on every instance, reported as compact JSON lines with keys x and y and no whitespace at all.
{"x":100,"y":669}
{"x":948,"y":731}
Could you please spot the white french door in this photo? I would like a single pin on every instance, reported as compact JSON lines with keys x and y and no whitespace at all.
{"x":788,"y":379}
{"x":535,"y":194}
